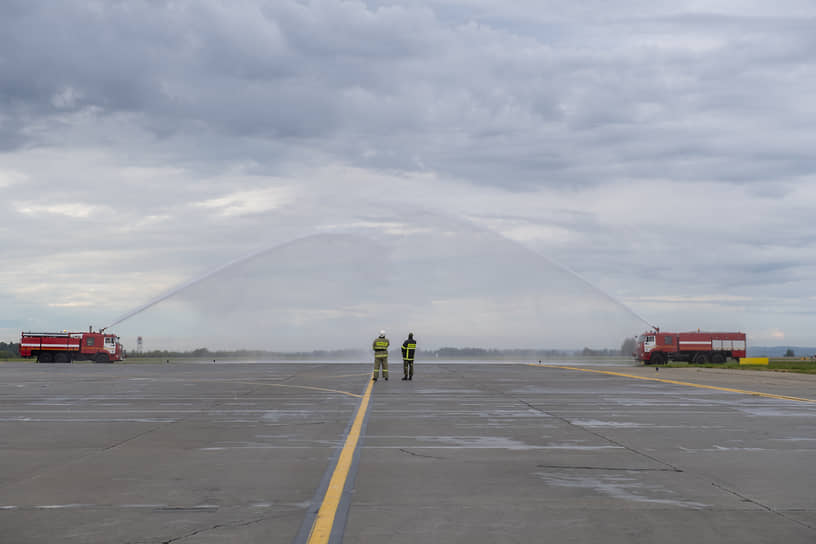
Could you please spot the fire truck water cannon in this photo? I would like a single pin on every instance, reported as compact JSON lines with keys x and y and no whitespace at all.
{"x":66,"y":347}
{"x":658,"y":347}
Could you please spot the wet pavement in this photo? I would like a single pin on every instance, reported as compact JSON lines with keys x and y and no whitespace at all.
{"x":477,"y":453}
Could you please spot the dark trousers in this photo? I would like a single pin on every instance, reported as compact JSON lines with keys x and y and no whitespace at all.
{"x":408,"y":367}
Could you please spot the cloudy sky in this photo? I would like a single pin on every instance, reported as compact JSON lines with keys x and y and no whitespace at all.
{"x":430,"y":153}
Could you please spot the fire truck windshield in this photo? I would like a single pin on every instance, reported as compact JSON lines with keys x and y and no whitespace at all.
{"x":646,"y":339}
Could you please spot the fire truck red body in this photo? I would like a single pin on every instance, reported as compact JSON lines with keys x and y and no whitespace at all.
{"x":657,"y":347}
{"x":64,"y":347}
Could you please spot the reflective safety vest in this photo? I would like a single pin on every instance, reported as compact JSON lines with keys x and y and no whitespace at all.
{"x":408,"y":350}
{"x":381,"y":347}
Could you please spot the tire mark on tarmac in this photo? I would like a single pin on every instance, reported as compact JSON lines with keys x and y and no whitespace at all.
{"x":622,"y":469}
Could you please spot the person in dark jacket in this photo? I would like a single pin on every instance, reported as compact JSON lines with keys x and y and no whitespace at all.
{"x":408,"y":351}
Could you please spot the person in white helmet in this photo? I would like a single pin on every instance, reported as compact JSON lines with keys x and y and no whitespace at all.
{"x":380,"y":347}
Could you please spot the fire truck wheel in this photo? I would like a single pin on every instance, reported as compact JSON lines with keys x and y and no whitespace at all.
{"x":701,"y":359}
{"x":102,"y":358}
{"x":60,"y":358}
{"x":657,"y":359}
{"x":717,"y":358}
{"x":45,"y":358}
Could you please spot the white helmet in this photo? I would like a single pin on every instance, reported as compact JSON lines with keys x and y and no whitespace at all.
{"x":382,"y":333}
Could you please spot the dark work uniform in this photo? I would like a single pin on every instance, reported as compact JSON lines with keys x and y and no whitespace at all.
{"x":408,"y":351}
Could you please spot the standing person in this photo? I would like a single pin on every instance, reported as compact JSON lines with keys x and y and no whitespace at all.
{"x":380,"y":347}
{"x":408,"y":350}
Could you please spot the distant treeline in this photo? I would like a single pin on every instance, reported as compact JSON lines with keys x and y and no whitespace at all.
{"x":9,"y":350}
{"x":356,"y":354}
{"x":780,"y":351}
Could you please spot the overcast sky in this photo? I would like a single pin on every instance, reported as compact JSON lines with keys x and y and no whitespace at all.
{"x":662,"y":151}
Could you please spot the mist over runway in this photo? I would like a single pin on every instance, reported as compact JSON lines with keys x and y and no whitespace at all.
{"x":478,"y":453}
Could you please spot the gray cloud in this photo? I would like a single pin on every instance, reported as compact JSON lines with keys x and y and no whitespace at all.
{"x":571,"y":100}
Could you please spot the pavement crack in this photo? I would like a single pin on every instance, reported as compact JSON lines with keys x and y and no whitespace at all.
{"x":63,"y":466}
{"x":214,"y":527}
{"x":403,"y":450}
{"x":630,"y":449}
{"x":134,"y":437}
{"x":762,"y":505}
{"x":602,"y":436}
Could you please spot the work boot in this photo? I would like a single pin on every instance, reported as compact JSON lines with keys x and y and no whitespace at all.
{"x":410,"y":377}
{"x":373,"y":379}
{"x":386,"y":378}
{"x":404,"y":378}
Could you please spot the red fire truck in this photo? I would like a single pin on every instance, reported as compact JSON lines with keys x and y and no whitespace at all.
{"x":64,"y":347}
{"x":658,"y":347}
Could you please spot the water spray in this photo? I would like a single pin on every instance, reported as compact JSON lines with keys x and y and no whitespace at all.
{"x":604,"y":293}
{"x":565,"y":268}
{"x":179,"y":288}
{"x":411,"y":222}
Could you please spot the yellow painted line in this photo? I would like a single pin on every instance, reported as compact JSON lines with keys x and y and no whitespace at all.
{"x":303,"y":387}
{"x":350,"y":394}
{"x":675,"y":382}
{"x":321,"y":529}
